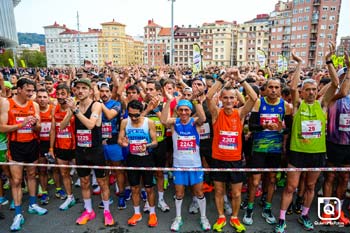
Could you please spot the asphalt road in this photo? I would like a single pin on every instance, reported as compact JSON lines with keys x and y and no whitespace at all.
{"x":64,"y":221}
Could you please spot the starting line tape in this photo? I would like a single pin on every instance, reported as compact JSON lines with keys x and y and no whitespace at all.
{"x":325,"y":169}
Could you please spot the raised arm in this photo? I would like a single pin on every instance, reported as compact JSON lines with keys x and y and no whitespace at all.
{"x":295,"y":81}
{"x":165,"y":118}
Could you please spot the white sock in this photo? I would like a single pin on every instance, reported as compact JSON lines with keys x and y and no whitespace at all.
{"x":160,"y":195}
{"x":137,"y":209}
{"x":127,"y":187}
{"x":194,"y":198}
{"x":152,"y":210}
{"x":202,"y":203}
{"x":106,"y":205}
{"x":88,"y":205}
{"x":178,"y":204}
{"x":70,"y":196}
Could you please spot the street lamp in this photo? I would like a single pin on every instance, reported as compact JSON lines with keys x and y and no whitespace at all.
{"x":172,"y":33}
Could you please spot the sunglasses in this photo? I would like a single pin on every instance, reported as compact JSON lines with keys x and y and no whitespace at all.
{"x":137,"y":115}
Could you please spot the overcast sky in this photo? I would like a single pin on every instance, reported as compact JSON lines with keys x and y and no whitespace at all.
{"x":32,"y":15}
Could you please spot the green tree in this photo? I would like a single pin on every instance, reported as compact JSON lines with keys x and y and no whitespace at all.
{"x":33,"y":58}
{"x":4,"y":58}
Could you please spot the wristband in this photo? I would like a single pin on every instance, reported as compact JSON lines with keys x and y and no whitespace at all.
{"x":329,"y":62}
{"x":221,"y":80}
{"x":195,"y":102}
{"x":242,"y":81}
{"x":76,"y":111}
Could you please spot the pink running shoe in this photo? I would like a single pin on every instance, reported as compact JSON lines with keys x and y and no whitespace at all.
{"x":109,"y":221}
{"x":85,"y":217}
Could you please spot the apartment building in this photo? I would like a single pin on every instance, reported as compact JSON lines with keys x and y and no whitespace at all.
{"x":184,"y":39}
{"x":154,"y":47}
{"x":218,"y":42}
{"x":253,"y":35}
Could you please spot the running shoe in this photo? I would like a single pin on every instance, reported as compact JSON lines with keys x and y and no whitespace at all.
{"x":96,"y":190}
{"x":239,"y":227}
{"x":143,"y":195}
{"x":281,"y":226}
{"x":268,"y":216}
{"x":248,"y":217}
{"x":85,"y":217}
{"x":109,"y":221}
{"x":35,"y":209}
{"x":6,"y":185}
{"x":3,"y":201}
{"x":152,"y":220}
{"x":326,"y":219}
{"x":112,"y":179}
{"x":194,"y":207}
{"x":290,"y":209}
{"x":207,"y":188}
{"x":117,"y":192}
{"x":134,"y":219}
{"x":297,"y":207}
{"x":262,"y":201}
{"x":77,"y":183}
{"x":166,"y":183}
{"x":61,"y":194}
{"x":244,"y":188}
{"x":40,"y":191}
{"x":51,"y":181}
{"x":306,"y":222}
{"x":244,"y":204}
{"x":258,"y":192}
{"x":205,"y":223}
{"x":227,"y":208}
{"x":220,"y":223}
{"x":68,"y":203}
{"x":163,"y":206}
{"x":101,"y":206}
{"x":44,"y":199}
{"x":176,"y":225}
{"x":17,"y":223}
{"x":343,"y":219}
{"x":127,"y":194}
{"x":121,"y":203}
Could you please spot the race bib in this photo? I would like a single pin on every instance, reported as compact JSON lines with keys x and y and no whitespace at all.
{"x":63,"y":133}
{"x":106,"y":130}
{"x":159,"y":128}
{"x":204,"y":131}
{"x":84,"y":137}
{"x":268,"y":119}
{"x":311,"y":129}
{"x":186,"y":144}
{"x":25,"y":129}
{"x":45,"y":129}
{"x":135,"y":147}
{"x":228,"y":140}
{"x":344,"y":122}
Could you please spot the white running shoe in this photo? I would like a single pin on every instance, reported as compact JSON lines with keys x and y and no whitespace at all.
{"x":18,"y":221}
{"x":227,"y":208}
{"x":35,"y":209}
{"x":146,"y":207}
{"x":194,"y":207}
{"x":69,"y":202}
{"x":177,"y":223}
{"x":163,"y":206}
{"x":205,"y":224}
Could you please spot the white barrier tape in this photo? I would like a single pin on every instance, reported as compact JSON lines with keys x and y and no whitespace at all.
{"x":326,"y":169}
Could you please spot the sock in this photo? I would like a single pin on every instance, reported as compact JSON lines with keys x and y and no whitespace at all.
{"x":304,"y":210}
{"x":194,"y":198}
{"x":283,"y":214}
{"x":88,"y":205}
{"x":137,"y":209}
{"x":71,"y":196}
{"x":267,"y":205}
{"x":106,"y":205}
{"x":225,"y":198}
{"x":18,"y":209}
{"x":250,"y":205}
{"x":143,"y":189}
{"x":202,"y":205}
{"x":32,"y":200}
{"x":44,"y":192}
{"x":178,"y":204}
{"x":160,"y":195}
{"x":127,"y":187}
{"x":152,"y":210}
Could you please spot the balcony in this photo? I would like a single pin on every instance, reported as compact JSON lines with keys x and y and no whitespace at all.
{"x":285,"y":49}
{"x":314,"y":30}
{"x":314,"y":21}
{"x":312,"y":48}
{"x":317,"y":2}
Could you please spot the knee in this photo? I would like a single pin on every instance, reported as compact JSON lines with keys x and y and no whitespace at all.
{"x":236,"y":194}
{"x":16,"y":181}
{"x":330,"y":177}
{"x":310,"y":187}
{"x":84,"y":182}
{"x":290,"y":188}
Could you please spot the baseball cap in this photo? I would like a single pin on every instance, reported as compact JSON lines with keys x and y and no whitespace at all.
{"x":85,"y":81}
{"x":342,"y":71}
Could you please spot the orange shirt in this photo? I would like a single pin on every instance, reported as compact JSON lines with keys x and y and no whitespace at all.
{"x":16,"y":115}
{"x":46,"y":119}
{"x":227,"y":140}
{"x":65,"y":138}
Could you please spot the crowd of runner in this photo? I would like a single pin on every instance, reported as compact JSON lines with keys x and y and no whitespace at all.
{"x":170,"y":117}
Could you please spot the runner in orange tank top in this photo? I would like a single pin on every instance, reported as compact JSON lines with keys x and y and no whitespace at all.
{"x":227,"y":143}
{"x":20,"y":118}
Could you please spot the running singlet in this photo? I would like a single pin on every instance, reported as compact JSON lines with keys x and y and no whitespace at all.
{"x":16,"y":115}
{"x":110,"y":128}
{"x":338,"y":125}
{"x":87,"y":138}
{"x":309,"y":129}
{"x":227,"y":141}
{"x":186,"y":144}
{"x":160,"y":128}
{"x":268,"y":141}
{"x":65,"y":138}
{"x":46,"y":119}
{"x":3,"y":141}
{"x":138,"y":137}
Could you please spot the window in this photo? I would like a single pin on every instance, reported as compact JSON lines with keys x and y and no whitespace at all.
{"x":333,"y":8}
{"x":325,"y":8}
{"x":331,"y":17}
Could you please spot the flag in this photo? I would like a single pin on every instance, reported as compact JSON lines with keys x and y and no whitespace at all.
{"x":197,"y":58}
{"x":23,"y":63}
{"x":11,"y":62}
{"x":261,"y":58}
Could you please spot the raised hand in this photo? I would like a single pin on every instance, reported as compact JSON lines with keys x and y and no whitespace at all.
{"x":168,"y":96}
{"x":331,"y":47}
{"x":295,"y":57}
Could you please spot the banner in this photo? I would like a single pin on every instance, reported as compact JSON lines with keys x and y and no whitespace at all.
{"x":23,"y":63}
{"x":285,"y":64}
{"x":11,"y":62}
{"x":280,"y":63}
{"x":197,"y":58}
{"x":261,"y":56}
